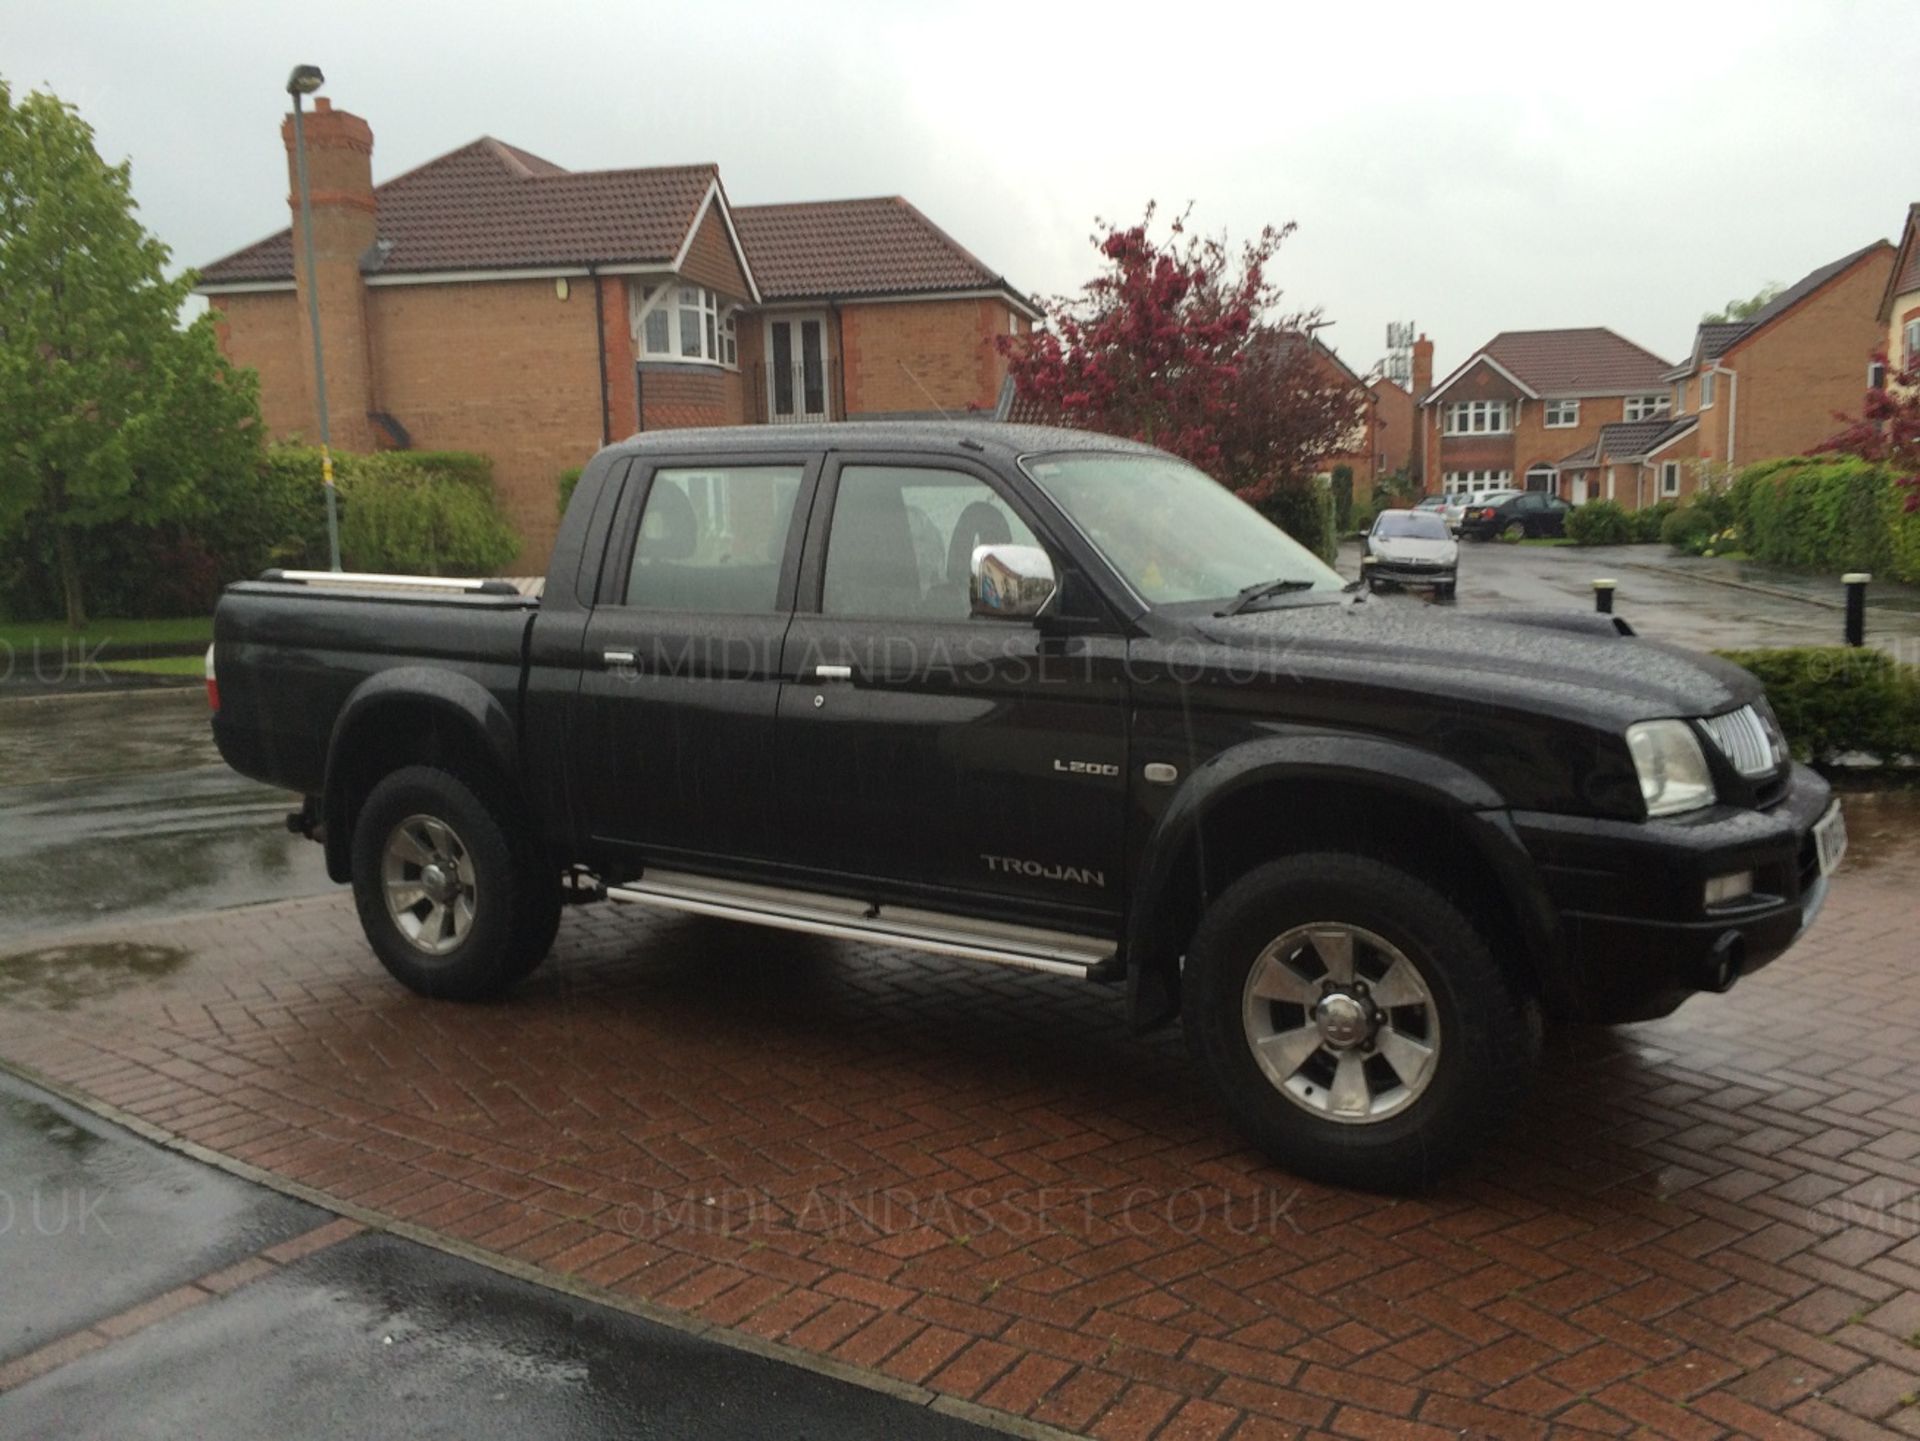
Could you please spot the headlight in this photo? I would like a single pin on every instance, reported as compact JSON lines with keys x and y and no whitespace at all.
{"x":1673,"y":772}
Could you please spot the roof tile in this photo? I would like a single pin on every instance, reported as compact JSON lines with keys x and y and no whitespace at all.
{"x":1584,"y":361}
{"x":854,"y":247}
{"x":493,"y":206}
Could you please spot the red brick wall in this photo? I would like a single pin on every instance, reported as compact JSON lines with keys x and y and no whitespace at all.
{"x":917,"y":356}
{"x":505,"y":368}
{"x":676,"y":396}
{"x":1812,"y":361}
{"x":1394,"y":427}
{"x":263,"y":332}
{"x":622,"y":419}
{"x":710,"y":259}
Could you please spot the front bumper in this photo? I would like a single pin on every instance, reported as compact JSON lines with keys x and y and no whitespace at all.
{"x":1639,"y":938}
{"x":1402,"y":572}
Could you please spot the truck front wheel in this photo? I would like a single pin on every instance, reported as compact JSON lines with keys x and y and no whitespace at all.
{"x":1354,"y":1021}
{"x":450,"y":897}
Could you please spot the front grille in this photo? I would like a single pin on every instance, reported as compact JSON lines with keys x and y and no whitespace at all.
{"x":1743,"y":739}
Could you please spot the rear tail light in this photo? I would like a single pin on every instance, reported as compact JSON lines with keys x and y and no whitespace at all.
{"x":213,"y":683}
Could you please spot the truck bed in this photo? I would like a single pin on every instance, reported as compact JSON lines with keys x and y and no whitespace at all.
{"x":289,"y":651}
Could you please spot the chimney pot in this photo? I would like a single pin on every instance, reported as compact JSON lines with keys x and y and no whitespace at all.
{"x":322,"y":104}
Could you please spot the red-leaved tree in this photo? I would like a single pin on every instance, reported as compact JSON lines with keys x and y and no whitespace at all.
{"x":1888,"y":429}
{"x":1174,"y":344}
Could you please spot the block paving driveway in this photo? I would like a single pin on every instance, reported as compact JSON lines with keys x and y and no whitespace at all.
{"x":976,"y":1182}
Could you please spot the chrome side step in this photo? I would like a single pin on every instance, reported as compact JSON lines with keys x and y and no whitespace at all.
{"x":1027,"y":947}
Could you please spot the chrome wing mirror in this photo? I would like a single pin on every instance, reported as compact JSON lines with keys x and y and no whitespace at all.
{"x":1011,"y":582}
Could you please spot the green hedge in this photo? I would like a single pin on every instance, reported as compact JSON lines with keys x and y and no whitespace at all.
{"x":1305,"y":512}
{"x":420,"y":512}
{"x":1827,"y":513}
{"x":405,"y":512}
{"x":1650,"y":520}
{"x":1838,"y":700}
{"x":1600,"y":522}
{"x":569,"y":478}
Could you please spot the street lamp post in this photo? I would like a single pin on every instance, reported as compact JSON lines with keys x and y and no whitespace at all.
{"x":304,"y":81}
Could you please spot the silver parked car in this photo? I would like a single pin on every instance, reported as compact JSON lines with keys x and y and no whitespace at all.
{"x":1413,"y":548}
{"x":1459,"y":505}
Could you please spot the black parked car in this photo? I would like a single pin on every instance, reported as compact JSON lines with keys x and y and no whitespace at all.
{"x":1529,"y":514}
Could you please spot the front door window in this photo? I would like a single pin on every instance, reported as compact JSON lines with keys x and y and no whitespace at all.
{"x":796,"y":368}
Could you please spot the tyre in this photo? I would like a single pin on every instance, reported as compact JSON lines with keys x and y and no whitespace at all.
{"x":452,"y":898}
{"x":1514,"y":530}
{"x":1445,"y":590}
{"x":1353,"y":1021}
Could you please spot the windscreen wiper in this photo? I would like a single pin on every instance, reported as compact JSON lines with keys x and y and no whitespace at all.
{"x":1260,"y":590}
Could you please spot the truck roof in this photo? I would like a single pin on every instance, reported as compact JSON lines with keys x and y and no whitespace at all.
{"x":998,"y":437}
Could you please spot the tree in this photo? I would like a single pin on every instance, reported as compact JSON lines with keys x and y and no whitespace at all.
{"x":1887,"y":431}
{"x":1172,"y":344}
{"x":110,"y":411}
{"x":1735,"y":310}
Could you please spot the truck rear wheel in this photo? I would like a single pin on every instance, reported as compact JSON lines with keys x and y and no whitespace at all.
{"x":452,"y":900}
{"x":1354,"y":1022}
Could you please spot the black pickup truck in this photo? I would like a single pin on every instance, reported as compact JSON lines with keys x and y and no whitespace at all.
{"x":1053,"y":701}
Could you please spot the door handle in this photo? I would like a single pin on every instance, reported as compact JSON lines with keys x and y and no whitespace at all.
{"x":617,"y":659}
{"x":830,"y":672}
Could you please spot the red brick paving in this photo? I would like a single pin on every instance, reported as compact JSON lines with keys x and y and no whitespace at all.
{"x":976,"y":1181}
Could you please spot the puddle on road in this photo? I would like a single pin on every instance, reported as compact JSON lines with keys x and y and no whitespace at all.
{"x":48,"y":1124}
{"x":66,"y":739}
{"x":59,"y":978}
{"x":1883,"y":828}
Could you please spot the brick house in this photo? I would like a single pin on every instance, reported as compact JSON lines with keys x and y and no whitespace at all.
{"x":493,"y":301}
{"x":1900,"y":301}
{"x":1770,"y":385}
{"x":1361,"y":452}
{"x":1394,"y":428}
{"x":1520,"y":403}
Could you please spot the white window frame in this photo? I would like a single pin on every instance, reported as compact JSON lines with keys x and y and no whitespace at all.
{"x":1477,"y":417}
{"x":1561,"y":414}
{"x":1669,"y":479}
{"x":1679,"y":398}
{"x":1466,"y":482}
{"x":665,"y":304}
{"x":1646,"y":407}
{"x":1910,"y":340}
{"x":1706,"y":391}
{"x":1552,"y":474}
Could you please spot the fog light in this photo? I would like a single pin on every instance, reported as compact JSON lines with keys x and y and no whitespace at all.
{"x":1732,"y":887}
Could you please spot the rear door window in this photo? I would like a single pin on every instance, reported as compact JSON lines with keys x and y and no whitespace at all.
{"x":712,"y":539}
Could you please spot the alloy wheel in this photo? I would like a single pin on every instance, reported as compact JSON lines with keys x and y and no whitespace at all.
{"x":1341,"y":1022}
{"x":428,"y":876}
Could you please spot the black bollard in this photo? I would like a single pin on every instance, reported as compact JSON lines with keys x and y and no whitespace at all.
{"x":1856,"y":584}
{"x":1603,"y":596}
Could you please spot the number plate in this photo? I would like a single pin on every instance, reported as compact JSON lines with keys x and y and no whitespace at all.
{"x":1830,"y":838}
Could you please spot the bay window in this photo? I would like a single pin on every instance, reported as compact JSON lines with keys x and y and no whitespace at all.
{"x":682,"y":322}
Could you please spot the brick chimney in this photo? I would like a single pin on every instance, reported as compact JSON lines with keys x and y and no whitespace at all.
{"x":1422,"y":383}
{"x":340,"y":178}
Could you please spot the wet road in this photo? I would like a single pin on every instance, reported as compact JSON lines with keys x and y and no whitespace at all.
{"x":370,"y":1336}
{"x":1662,"y":595}
{"x":118,"y":807}
{"x":93,"y":1221}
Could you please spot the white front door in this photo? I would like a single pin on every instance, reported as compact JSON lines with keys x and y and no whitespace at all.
{"x":796,"y":368}
{"x":1579,"y":496}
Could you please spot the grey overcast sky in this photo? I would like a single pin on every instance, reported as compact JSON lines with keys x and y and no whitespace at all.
{"x":1473,"y":167}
